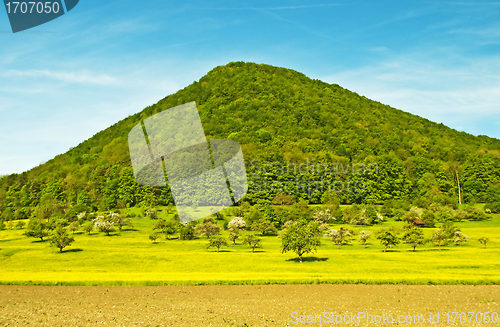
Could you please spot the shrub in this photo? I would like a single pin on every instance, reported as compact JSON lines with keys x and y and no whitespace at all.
{"x":474,"y":213}
{"x":493,"y":207}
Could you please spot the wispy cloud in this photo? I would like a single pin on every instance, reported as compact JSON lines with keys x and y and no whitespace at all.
{"x":138,"y":24}
{"x":83,"y":77}
{"x":272,"y":8}
{"x":492,"y":33}
{"x":458,"y":3}
{"x":297,"y":24}
{"x":432,"y":89}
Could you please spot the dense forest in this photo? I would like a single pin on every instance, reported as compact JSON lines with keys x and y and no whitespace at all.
{"x":296,"y":133}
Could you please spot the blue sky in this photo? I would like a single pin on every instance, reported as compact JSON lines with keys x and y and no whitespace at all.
{"x":64,"y":81}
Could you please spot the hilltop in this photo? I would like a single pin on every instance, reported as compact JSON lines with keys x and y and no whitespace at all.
{"x":278,"y":116}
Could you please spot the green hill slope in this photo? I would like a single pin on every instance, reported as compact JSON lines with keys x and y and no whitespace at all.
{"x":279,"y":116}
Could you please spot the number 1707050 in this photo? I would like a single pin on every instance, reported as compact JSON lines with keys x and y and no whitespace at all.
{"x":32,"y":7}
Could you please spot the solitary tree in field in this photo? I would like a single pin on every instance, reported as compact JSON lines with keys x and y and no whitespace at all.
{"x":186,"y":231}
{"x":171,"y":228}
{"x":217,"y":242}
{"x":161,"y":225}
{"x":252,"y":241}
{"x":340,"y":236}
{"x":233,"y":236}
{"x":120,"y":221}
{"x":73,"y":226}
{"x":208,"y":227}
{"x":237,"y":223}
{"x":37,"y":228}
{"x":154,"y":236}
{"x":88,"y":227}
{"x":363,"y":237}
{"x":301,"y":237}
{"x":439,"y":237}
{"x":460,"y":237}
{"x":449,"y":229}
{"x":414,"y":236}
{"x":61,"y":239}
{"x":166,"y":227}
{"x":104,"y":225}
{"x":484,"y":240}
{"x":388,"y":238}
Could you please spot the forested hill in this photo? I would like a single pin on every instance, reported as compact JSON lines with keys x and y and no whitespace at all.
{"x":277,"y":115}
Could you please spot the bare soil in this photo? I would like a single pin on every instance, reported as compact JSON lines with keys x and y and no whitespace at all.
{"x":269,"y":305}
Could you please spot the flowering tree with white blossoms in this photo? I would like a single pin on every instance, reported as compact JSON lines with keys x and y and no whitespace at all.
{"x":104,"y":224}
{"x":237,"y":223}
{"x":323,"y":216}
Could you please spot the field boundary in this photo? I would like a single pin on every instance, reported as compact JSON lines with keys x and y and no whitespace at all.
{"x":258,"y":282}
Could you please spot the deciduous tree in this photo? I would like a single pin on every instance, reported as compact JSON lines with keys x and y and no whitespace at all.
{"x":237,"y":223}
{"x":252,"y":241}
{"x":154,"y":236}
{"x":88,"y":227}
{"x":460,"y":237}
{"x":301,"y":237}
{"x":233,"y":236}
{"x":264,"y":227}
{"x":484,"y":241}
{"x":413,"y":236}
{"x":208,"y":227}
{"x":104,"y":224}
{"x":439,"y":237}
{"x":73,"y":227}
{"x":61,"y":239}
{"x":340,"y":236}
{"x":37,"y":228}
{"x":217,"y":242}
{"x":120,"y":221}
{"x":387,"y":238}
{"x":363,"y":237}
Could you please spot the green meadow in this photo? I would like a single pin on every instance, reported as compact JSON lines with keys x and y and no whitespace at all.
{"x":130,"y":258}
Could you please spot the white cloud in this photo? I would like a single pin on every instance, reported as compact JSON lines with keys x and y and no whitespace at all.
{"x":271,"y":8}
{"x":83,"y":77}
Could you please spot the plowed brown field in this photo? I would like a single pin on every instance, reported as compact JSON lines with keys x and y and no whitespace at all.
{"x":270,"y":305}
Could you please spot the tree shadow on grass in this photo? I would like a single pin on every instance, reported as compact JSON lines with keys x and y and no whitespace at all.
{"x":72,"y":250}
{"x":308,"y":259}
{"x":12,"y":239}
{"x":215,"y":251}
{"x":130,"y":230}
